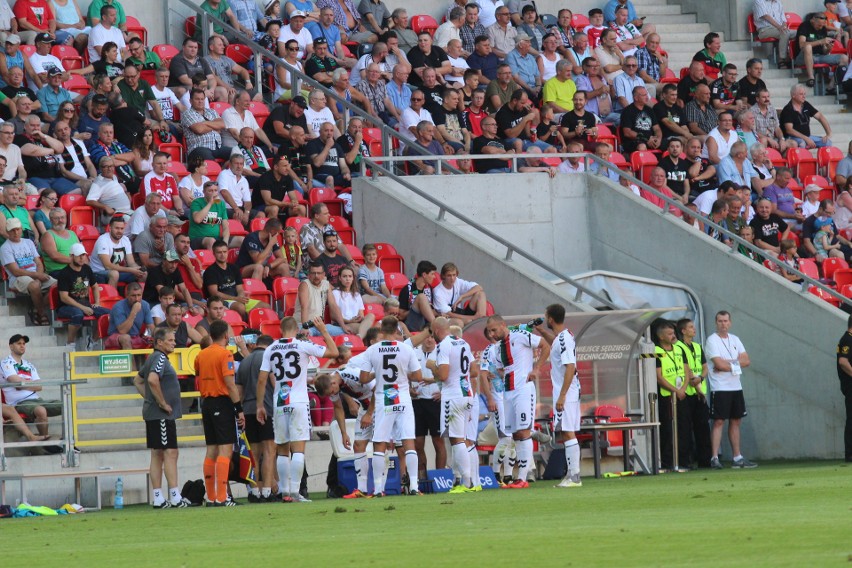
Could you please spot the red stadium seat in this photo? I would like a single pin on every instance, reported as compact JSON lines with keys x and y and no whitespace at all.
{"x":344,"y":230}
{"x":793,"y":21}
{"x":173,"y":149}
{"x":135,"y":27}
{"x":579,"y":22}
{"x":617,"y":159}
{"x":842,"y":276}
{"x":68,"y":202}
{"x":642,"y":164}
{"x":375,"y":309}
{"x":389,"y":259}
{"x":259,"y":316}
{"x":241,"y":54}
{"x":27,"y":49}
{"x":213,"y":169}
{"x":670,"y":77}
{"x":395,"y":282}
{"x":776,"y":158}
{"x":219,"y":106}
{"x":298,"y":222}
{"x":68,"y":56}
{"x":827,"y":160}
{"x":166,"y":52}
{"x":235,"y":321}
{"x":205,"y":257}
{"x":260,"y":111}
{"x":424,"y":23}
{"x":32,"y":202}
{"x":189,"y":26}
{"x":236,"y":228}
{"x":257,"y":290}
{"x":371,"y":134}
{"x":327,"y":196}
{"x":87,"y":234}
{"x":353,"y":340}
{"x":831,"y":265}
{"x":109,"y":296}
{"x":809,"y":268}
{"x":77,"y":84}
{"x":752,"y":30}
{"x":284,"y":291}
{"x":823,"y":295}
{"x":355,"y":253}
{"x":801,"y":162}
{"x":103,"y":325}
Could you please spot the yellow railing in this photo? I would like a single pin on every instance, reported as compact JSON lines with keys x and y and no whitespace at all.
{"x":121,"y":364}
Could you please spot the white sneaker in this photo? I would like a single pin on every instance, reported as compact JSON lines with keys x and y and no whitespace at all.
{"x":297,"y":498}
{"x":569,"y":482}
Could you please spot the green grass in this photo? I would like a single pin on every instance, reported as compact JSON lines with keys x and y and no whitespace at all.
{"x":786,"y":514}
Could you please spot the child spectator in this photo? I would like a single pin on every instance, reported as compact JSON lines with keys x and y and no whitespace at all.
{"x":746,"y":233}
{"x":548,"y":129}
{"x":823,"y":238}
{"x":293,"y":252}
{"x":790,"y":256}
{"x":352,"y":318}
{"x":167,"y":298}
{"x":371,"y":278}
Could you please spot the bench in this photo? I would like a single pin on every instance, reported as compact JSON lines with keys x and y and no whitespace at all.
{"x":77,"y":475}
{"x":625,"y":428}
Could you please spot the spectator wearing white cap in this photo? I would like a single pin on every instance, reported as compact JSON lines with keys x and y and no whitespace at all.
{"x":296,"y":30}
{"x":25,"y":270}
{"x":74,"y":283}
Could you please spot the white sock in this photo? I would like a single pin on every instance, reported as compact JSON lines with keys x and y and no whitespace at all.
{"x":254,"y":491}
{"x":411,"y":466}
{"x":473,"y":465}
{"x":524,"y":449}
{"x":266,"y":491}
{"x":738,"y":457}
{"x":572,"y":457}
{"x":282,"y":464}
{"x":174,"y":495}
{"x":378,"y":471}
{"x":460,"y":468}
{"x":158,"y":496}
{"x":361,"y":470}
{"x":297,"y":467}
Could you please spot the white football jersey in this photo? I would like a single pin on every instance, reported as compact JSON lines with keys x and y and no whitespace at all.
{"x":486,"y":365}
{"x":287,"y":361}
{"x":456,"y":353}
{"x":425,"y":390}
{"x":563,"y":352}
{"x":352,"y":385}
{"x":391,"y":362}
{"x":515,"y":356}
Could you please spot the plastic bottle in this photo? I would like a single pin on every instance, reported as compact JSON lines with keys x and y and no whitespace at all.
{"x":119,"y":494}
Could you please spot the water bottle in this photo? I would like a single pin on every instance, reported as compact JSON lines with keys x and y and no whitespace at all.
{"x":119,"y":494}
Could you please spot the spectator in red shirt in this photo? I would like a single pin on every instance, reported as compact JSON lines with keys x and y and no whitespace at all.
{"x":34,"y":17}
{"x":163,"y":183}
{"x":658,"y":182}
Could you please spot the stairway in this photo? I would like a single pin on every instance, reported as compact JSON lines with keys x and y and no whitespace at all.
{"x":682,"y":36}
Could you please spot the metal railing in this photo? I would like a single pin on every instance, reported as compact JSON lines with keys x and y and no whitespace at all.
{"x":203,"y":22}
{"x":736,"y":240}
{"x":66,"y":442}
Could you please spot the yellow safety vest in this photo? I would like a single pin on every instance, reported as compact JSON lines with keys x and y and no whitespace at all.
{"x":693,"y":359}
{"x":671,"y":363}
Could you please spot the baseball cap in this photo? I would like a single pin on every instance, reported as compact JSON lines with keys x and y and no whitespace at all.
{"x":300,"y":101}
{"x":297,"y":14}
{"x":320,"y":41}
{"x":13,"y":223}
{"x":77,"y":249}
{"x":13,"y":38}
{"x":175,"y":220}
{"x":17,"y":337}
{"x":171,"y":255}
{"x":831,"y":2}
{"x":100,"y":100}
{"x":810,"y":188}
{"x":54,"y":71}
{"x":44,"y":37}
{"x":329,"y":231}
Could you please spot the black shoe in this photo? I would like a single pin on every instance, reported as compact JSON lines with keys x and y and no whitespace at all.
{"x":229,"y":503}
{"x":213,"y":504}
{"x":330,"y":494}
{"x":252,"y":498}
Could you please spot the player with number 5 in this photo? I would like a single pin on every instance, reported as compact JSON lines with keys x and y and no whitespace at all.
{"x":286,"y":362}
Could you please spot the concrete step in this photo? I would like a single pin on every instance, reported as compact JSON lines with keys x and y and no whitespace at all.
{"x":655,"y":12}
{"x":673,"y":18}
{"x":667,"y":29}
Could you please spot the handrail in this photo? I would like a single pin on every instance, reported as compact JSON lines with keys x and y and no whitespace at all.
{"x":511,"y":249}
{"x":807,"y":281}
{"x":203,"y":19}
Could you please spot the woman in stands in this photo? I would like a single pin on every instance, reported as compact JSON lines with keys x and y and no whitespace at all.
{"x":67,"y":113}
{"x":192,"y":186}
{"x":283,"y":81}
{"x":143,"y":153}
{"x":41,"y":216}
{"x":107,"y":65}
{"x":351,"y":305}
{"x":70,"y":23}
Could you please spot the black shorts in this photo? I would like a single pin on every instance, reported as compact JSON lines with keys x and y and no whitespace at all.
{"x":725,"y":405}
{"x":219,"y":421}
{"x":464,"y":310}
{"x":427,"y":417}
{"x":161,"y":434}
{"x":257,"y":432}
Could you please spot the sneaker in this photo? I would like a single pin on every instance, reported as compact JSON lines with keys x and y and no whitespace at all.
{"x":229,"y":503}
{"x":297,"y":498}
{"x":459,"y":489}
{"x":715,"y":463}
{"x":182,"y":504}
{"x":743,"y":463}
{"x":476,"y":488}
{"x":570,"y":482}
{"x":163,"y":505}
{"x":214,"y":504}
{"x":415,"y":492}
{"x":518,"y":484}
{"x":252,"y":498}
{"x":286,"y":499}
{"x":357,"y":494}
{"x":376,"y":495}
{"x":540,"y":437}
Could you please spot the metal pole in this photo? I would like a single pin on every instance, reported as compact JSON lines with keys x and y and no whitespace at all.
{"x":652,"y":412}
{"x":673,"y":399}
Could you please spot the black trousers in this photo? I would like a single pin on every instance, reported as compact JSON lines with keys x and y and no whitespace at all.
{"x":684,"y":432}
{"x":846,"y":389}
{"x":699,"y":414}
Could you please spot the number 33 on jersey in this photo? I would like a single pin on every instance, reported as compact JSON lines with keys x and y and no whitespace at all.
{"x":286,"y":361}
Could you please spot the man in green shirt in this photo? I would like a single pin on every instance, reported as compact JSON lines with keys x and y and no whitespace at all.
{"x":95,"y":13}
{"x":137,"y":94}
{"x":141,"y":57}
{"x":222,"y":10}
{"x":209,"y":219}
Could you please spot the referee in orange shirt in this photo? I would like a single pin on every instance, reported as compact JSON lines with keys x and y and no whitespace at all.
{"x":221,"y":406}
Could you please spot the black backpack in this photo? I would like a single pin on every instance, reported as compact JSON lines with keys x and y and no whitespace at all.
{"x":194,"y":491}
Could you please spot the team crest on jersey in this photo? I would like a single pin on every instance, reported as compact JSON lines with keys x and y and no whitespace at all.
{"x":464,"y":383}
{"x":391,"y":395}
{"x":284,"y":393}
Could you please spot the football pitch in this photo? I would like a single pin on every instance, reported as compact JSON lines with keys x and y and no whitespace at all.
{"x":787,"y":514}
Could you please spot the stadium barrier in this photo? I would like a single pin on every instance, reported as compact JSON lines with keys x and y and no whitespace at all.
{"x":808,"y":286}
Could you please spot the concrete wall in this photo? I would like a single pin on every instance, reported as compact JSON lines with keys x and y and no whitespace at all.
{"x":533,"y":219}
{"x":791,"y":389}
